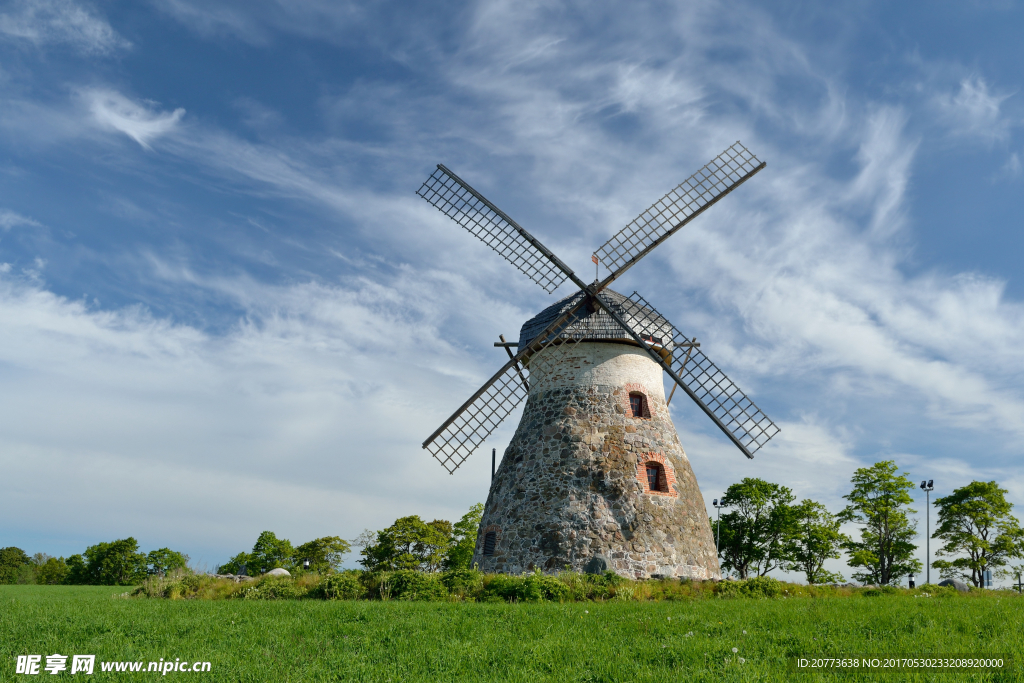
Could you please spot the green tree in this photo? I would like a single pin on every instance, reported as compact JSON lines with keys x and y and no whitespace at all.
{"x":270,"y":552}
{"x":409,"y":543}
{"x":324,"y":554}
{"x":11,"y":560}
{"x":975,"y":521}
{"x":78,"y":573}
{"x":818,"y":539}
{"x":757,"y":532}
{"x":164,"y":561}
{"x":239,"y":564}
{"x":108,"y":564}
{"x":464,"y":533}
{"x":880,"y":503}
{"x":434,"y":546}
{"x":52,"y":572}
{"x":118,"y":563}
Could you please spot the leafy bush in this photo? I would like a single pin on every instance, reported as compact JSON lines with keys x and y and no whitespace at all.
{"x":409,"y":584}
{"x":526,"y":588}
{"x":274,"y":588}
{"x":343,"y":586}
{"x":761,"y":587}
{"x":462,"y":582}
{"x":512,"y":588}
{"x":728,"y":589}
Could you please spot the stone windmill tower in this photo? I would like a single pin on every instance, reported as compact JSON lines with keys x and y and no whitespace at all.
{"x":595,"y":477}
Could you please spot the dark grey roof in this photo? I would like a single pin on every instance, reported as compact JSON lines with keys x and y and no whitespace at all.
{"x":597,"y":325}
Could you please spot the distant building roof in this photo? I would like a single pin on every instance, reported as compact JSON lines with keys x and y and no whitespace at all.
{"x":597,"y":325}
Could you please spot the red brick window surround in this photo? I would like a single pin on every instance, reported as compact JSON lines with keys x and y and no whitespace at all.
{"x":655,"y":475}
{"x":637,"y":404}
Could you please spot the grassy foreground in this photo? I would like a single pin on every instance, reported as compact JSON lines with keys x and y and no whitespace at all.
{"x":314,"y":640}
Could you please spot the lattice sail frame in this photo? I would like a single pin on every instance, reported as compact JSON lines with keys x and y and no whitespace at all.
{"x":456,"y":199}
{"x":716,"y":394}
{"x":470,"y":425}
{"x":716,"y":179}
{"x":709,"y":386}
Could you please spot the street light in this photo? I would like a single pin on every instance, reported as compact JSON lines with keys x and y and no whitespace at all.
{"x":718,"y":526}
{"x":928,"y":487}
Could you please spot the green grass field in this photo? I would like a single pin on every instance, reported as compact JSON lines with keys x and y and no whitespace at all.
{"x":422,"y":641}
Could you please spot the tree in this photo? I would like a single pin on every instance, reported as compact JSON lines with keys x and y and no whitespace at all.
{"x":239,"y":564}
{"x":435,"y":544}
{"x":108,"y":564}
{"x":52,"y":572}
{"x":409,"y":543}
{"x":975,"y":520}
{"x":464,"y":533}
{"x":270,"y":552}
{"x":164,"y":561}
{"x":118,"y":563}
{"x":324,"y":554}
{"x":817,"y":540}
{"x":78,"y":573}
{"x":880,"y":502}
{"x":11,"y":560}
{"x":757,"y":533}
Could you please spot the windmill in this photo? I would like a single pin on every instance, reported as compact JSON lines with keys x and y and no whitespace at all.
{"x":595,"y":477}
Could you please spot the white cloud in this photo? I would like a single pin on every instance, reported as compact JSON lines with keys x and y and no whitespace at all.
{"x":289,"y":421}
{"x":60,"y":21}
{"x":259,"y":19}
{"x":9,"y":219}
{"x":974,"y":111}
{"x":112,"y":110}
{"x":1012,"y":167}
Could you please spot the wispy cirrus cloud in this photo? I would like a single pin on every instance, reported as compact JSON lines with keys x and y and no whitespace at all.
{"x":9,"y":219}
{"x":974,"y":111}
{"x":44,"y":22}
{"x":111,"y":110}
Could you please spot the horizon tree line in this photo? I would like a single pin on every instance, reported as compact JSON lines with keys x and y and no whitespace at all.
{"x":766,"y":529}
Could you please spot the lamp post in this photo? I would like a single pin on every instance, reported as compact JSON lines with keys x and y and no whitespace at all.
{"x":718,"y":525}
{"x":910,"y":582}
{"x":928,"y":487}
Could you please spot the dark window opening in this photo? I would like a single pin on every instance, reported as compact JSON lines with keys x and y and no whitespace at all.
{"x":636,"y":404}
{"x":490,"y":539}
{"x":656,"y":477}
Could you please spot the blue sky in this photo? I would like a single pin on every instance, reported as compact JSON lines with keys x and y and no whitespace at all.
{"x":223,"y":309}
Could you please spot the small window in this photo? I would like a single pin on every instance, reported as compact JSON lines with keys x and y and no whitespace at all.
{"x":656,"y":477}
{"x":490,"y":539}
{"x":636,"y":405}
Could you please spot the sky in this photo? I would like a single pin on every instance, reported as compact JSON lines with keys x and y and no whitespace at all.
{"x":223,"y":308}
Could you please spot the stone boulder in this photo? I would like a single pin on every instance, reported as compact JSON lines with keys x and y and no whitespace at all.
{"x":278,"y":572}
{"x":598,"y":564}
{"x":959,"y":585}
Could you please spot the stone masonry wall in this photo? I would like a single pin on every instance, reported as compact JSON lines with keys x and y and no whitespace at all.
{"x":572,"y":482}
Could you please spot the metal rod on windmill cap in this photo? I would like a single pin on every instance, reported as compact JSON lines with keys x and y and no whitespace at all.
{"x":494,"y":455}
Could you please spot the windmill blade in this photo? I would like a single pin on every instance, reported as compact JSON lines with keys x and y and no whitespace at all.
{"x":688,"y":200}
{"x":717,"y":395}
{"x":470,"y":425}
{"x":456,"y":199}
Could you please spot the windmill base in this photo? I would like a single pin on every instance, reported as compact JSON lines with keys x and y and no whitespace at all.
{"x":573,"y":483}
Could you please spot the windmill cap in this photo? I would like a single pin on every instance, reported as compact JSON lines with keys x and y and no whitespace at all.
{"x":597,"y":325}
